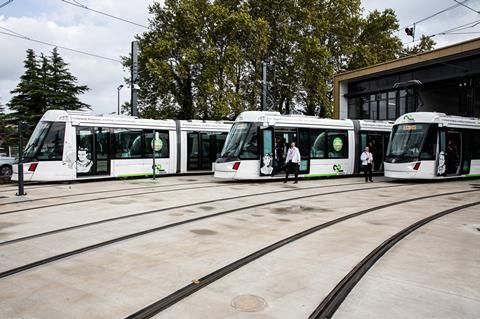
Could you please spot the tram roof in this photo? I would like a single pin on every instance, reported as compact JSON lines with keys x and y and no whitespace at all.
{"x":277,"y":119}
{"x":374,"y":125}
{"x":441,"y":118}
{"x":197,"y":125}
{"x":85,"y":119}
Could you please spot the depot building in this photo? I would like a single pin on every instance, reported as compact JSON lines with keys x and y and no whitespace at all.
{"x":443,"y":80}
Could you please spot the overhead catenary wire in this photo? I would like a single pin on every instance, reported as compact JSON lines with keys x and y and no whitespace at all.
{"x":5,"y":3}
{"x":458,"y":4}
{"x":465,"y":26}
{"x":464,"y":5}
{"x":12,"y":33}
{"x":79,"y":5}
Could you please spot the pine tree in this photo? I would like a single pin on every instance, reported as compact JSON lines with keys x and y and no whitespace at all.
{"x":63,"y":90}
{"x":47,"y":84}
{"x":27,"y":102}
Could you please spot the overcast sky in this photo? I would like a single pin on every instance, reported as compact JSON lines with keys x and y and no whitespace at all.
{"x":57,"y":22}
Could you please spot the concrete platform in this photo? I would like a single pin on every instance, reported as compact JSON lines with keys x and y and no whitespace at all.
{"x":432,"y":273}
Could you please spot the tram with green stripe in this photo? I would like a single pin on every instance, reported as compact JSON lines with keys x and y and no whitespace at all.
{"x":428,"y":145}
{"x":72,"y":145}
{"x":258,"y":142}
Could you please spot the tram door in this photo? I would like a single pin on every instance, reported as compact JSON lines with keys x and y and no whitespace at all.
{"x":274,"y":148}
{"x":102,"y":154}
{"x":453,"y":152}
{"x":92,"y":151}
{"x":203,"y":149}
{"x":303,"y":145}
{"x":283,"y":138}
{"x":377,"y":142}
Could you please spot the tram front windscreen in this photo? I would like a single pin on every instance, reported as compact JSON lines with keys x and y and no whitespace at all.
{"x":241,"y":142}
{"x":406,"y":143}
{"x":46,"y":142}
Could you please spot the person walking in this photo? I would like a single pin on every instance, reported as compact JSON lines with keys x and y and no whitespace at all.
{"x":292,"y":162}
{"x":367,"y":163}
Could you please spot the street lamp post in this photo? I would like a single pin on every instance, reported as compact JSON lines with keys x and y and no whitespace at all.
{"x":118,"y":98}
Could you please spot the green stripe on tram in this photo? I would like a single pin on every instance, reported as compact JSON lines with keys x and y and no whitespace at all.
{"x":134,"y":175}
{"x":472,"y":175}
{"x":320,"y":175}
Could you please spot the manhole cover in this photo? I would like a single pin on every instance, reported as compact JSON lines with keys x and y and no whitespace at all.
{"x":249,"y":303}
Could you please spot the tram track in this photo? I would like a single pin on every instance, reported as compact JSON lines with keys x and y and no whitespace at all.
{"x":166,"y":302}
{"x":155,"y":211}
{"x":78,"y":251}
{"x":330,"y":304}
{"x":96,"y":192}
{"x":106,"y":197}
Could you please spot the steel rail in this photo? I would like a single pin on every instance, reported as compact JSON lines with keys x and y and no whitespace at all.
{"x":329,"y":305}
{"x":51,"y":259}
{"x":164,"y":303}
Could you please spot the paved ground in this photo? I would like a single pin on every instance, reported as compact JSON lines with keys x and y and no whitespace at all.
{"x":173,"y":232}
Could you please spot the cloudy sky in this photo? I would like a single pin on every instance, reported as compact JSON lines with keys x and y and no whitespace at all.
{"x":60,"y":23}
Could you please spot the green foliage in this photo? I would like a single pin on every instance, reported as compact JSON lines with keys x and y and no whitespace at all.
{"x":376,"y":41}
{"x":46,"y":84}
{"x":203,"y":58}
{"x":426,"y":44}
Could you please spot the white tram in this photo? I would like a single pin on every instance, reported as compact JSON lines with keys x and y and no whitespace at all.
{"x":327,"y":147}
{"x":70,"y":145}
{"x":427,"y":145}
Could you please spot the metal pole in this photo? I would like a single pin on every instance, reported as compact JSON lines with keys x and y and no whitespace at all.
{"x":118,"y":101}
{"x":264,"y":86}
{"x":118,"y":98}
{"x":21,"y":186}
{"x":134,"y":80}
{"x":153,"y":149}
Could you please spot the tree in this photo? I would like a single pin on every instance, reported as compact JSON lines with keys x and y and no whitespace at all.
{"x":28,"y":102}
{"x":46,"y":84}
{"x":198,"y":58}
{"x":61,"y":85}
{"x":203,"y":58}
{"x":376,"y":41}
{"x":426,"y":44}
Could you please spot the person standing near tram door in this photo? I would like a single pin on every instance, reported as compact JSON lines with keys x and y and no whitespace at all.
{"x":292,"y":162}
{"x":367,"y":163}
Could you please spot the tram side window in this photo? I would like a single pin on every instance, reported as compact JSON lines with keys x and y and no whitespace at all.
{"x":52,"y":147}
{"x":318,"y":144}
{"x":127,"y":143}
{"x":337,"y":144}
{"x":161,"y":145}
{"x":475,"y":143}
{"x":219,"y":143}
{"x":429,"y":146}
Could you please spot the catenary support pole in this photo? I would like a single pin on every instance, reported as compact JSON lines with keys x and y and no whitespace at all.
{"x":264,"y":86}
{"x":154,"y":141}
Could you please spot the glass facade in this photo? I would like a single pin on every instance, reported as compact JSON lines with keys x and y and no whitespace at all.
{"x":451,"y":87}
{"x":388,"y":105}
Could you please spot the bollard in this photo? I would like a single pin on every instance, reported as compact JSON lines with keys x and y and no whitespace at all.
{"x":21,"y":186}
